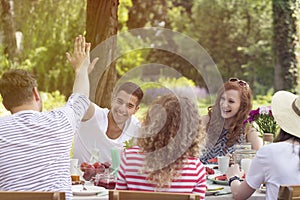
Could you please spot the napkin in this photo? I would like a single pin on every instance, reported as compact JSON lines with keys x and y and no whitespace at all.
{"x":222,"y":192}
{"x":210,"y":189}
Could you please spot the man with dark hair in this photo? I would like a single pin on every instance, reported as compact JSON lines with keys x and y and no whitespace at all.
{"x":17,"y":88}
{"x":103,"y":129}
{"x":35,"y":145}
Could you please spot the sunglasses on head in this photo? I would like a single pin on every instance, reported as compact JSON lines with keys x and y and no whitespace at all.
{"x":240,"y":82}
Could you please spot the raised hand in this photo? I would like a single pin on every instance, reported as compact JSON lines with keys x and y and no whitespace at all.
{"x":81,"y":55}
{"x":81,"y":64}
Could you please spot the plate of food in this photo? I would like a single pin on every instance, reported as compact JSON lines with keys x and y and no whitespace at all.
{"x":88,"y":191}
{"x":218,"y":179}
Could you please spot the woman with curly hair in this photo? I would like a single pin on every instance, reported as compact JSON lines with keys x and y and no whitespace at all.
{"x":166,"y":157}
{"x":225,"y":120}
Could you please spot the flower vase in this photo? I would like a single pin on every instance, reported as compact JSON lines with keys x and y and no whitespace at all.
{"x":268,"y":138}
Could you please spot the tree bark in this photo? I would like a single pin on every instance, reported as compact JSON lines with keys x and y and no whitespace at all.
{"x":8,"y":23}
{"x":284,"y":41}
{"x":101,"y":24}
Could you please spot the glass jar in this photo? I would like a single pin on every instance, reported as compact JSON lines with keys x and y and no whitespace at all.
{"x":105,"y":179}
{"x":243,"y":146}
{"x":268,"y":138}
{"x":240,"y":154}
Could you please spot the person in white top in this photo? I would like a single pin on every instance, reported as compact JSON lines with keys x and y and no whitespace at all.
{"x":35,"y":145}
{"x":103,"y":129}
{"x":277,"y":163}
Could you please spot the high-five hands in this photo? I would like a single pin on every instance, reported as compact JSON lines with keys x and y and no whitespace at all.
{"x":81,"y":55}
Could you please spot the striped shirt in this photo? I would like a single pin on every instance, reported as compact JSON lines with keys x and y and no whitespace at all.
{"x":35,"y":147}
{"x":192,"y":177}
{"x":220,"y":149}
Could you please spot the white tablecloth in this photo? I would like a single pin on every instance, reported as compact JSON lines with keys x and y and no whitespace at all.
{"x":90,"y":197}
{"x":256,"y":196}
{"x":101,"y":196}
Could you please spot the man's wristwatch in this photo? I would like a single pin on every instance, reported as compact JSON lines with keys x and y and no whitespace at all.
{"x":233,"y":179}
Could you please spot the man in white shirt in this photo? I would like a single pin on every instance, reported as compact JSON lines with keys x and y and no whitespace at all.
{"x":35,"y":145}
{"x":102,"y":129}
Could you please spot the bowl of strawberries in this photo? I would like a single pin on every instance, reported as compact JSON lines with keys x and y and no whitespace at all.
{"x":99,"y":173}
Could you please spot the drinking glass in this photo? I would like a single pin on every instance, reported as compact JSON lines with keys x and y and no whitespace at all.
{"x":223,"y":163}
{"x":106,"y":180}
{"x":74,"y":166}
{"x":245,"y":164}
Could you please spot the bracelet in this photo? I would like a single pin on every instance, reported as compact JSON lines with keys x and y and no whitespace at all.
{"x":233,"y":179}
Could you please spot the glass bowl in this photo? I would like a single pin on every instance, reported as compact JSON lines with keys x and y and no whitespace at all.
{"x":106,"y":180}
{"x":240,"y":154}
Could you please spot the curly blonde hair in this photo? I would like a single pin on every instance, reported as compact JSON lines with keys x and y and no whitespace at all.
{"x":172,"y":132}
{"x":216,"y":121}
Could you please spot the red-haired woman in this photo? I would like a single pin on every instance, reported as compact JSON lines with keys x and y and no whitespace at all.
{"x":225,"y":120}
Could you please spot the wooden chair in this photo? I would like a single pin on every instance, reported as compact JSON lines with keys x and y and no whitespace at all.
{"x":143,"y":195}
{"x":31,"y":195}
{"x":289,"y":192}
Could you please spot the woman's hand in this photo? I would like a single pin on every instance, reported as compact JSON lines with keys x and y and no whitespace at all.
{"x":231,"y":161}
{"x":234,"y":170}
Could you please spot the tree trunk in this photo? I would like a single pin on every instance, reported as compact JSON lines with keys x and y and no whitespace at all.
{"x":284,"y":41}
{"x":101,"y":24}
{"x":8,"y":23}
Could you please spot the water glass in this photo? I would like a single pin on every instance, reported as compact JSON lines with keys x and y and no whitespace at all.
{"x":245,"y":164}
{"x":74,"y":166}
{"x":223,"y":163}
{"x":238,"y":155}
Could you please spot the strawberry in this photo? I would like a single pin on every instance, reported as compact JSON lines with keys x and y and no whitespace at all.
{"x":213,"y":160}
{"x":106,"y":164}
{"x":83,"y":166}
{"x":221,"y":177}
{"x":209,"y":170}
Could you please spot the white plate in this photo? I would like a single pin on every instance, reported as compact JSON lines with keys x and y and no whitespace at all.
{"x":91,"y":190}
{"x":209,"y":193}
{"x":212,"y":189}
{"x":213,"y":178}
{"x":212,"y":166}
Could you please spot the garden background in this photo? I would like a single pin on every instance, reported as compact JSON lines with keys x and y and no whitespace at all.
{"x":254,"y":40}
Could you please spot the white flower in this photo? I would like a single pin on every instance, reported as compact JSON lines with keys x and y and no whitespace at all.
{"x":264,"y":110}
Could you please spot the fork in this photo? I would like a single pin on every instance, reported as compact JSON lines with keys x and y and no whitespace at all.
{"x":83,"y":187}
